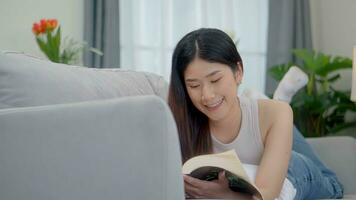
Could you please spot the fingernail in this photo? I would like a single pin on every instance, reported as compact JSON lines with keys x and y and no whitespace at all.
{"x":223,"y":173}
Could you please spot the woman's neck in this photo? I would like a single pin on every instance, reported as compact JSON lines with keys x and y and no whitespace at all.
{"x":228,"y":128}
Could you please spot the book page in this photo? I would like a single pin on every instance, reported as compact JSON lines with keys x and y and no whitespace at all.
{"x":227,"y":160}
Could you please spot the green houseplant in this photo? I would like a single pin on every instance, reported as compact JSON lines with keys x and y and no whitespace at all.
{"x":319,"y":109}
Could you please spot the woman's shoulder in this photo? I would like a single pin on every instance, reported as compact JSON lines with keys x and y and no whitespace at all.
{"x":270,"y":112}
{"x":273,"y":107}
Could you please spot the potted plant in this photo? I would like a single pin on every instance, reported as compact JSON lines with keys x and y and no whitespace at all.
{"x":319,"y":109}
{"x":48,"y":37}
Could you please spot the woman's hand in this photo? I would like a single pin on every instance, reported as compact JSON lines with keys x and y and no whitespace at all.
{"x":216,"y":189}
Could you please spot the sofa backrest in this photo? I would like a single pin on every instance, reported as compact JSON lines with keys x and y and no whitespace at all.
{"x":30,"y":81}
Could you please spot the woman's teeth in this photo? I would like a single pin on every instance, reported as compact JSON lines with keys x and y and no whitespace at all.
{"x":214,"y":104}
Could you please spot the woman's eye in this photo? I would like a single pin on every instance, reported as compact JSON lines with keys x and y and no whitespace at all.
{"x":194,"y":86}
{"x":214,"y":81}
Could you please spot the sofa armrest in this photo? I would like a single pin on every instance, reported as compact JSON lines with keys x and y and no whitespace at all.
{"x":338,"y":153}
{"x":111,"y":149}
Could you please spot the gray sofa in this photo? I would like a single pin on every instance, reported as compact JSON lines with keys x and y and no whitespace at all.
{"x":109,"y":149}
{"x":77,"y":133}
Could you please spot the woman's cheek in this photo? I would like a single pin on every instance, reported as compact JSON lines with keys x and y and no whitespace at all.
{"x":193,"y":96}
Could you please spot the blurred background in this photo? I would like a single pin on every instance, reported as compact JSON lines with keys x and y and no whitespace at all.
{"x":141,"y":34}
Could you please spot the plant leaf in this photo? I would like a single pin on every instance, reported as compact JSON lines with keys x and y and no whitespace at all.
{"x":57,"y":42}
{"x":42,"y":45}
{"x":313,"y":61}
{"x":307,"y":57}
{"x":335,"y":64}
{"x":96,"y":51}
{"x":329,"y":79}
{"x":278,"y":71}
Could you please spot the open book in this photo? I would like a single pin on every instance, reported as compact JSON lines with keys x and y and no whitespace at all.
{"x":207,"y":167}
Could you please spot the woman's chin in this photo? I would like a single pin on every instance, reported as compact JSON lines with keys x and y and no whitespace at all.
{"x":217,"y":116}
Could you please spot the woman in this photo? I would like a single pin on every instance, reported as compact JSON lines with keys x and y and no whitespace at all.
{"x":206,"y":72}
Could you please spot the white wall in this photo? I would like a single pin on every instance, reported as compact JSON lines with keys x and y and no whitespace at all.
{"x":17,"y":17}
{"x":333,"y":25}
{"x":334,"y":30}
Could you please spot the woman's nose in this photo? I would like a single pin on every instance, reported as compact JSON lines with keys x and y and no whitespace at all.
{"x":207,"y":93}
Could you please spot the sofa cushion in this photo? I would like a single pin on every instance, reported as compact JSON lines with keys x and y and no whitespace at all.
{"x":30,"y":81}
{"x":338,"y":153}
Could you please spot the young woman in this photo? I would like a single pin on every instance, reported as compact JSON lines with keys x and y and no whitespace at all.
{"x":211,"y":118}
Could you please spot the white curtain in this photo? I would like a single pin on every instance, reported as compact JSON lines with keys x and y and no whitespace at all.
{"x":150,"y":29}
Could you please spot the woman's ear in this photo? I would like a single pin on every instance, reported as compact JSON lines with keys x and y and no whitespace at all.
{"x":239,"y":73}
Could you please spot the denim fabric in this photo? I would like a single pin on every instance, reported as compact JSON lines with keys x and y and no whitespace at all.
{"x":311,"y":178}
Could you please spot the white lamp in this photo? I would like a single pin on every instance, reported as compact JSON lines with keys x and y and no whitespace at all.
{"x":353,"y":86}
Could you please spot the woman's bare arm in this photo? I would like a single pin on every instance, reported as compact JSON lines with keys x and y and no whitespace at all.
{"x":276,"y":120}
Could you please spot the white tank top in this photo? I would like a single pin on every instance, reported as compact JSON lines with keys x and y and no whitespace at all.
{"x":248,"y":143}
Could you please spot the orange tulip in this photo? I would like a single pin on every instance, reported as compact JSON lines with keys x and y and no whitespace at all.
{"x":43,"y":24}
{"x":36,"y":29}
{"x":52,"y":24}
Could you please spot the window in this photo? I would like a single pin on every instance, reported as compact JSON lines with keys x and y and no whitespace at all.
{"x":149,"y":31}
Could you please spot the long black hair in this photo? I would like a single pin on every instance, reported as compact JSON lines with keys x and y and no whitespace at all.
{"x":211,"y":45}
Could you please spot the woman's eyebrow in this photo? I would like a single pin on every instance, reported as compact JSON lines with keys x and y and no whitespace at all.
{"x":213,"y":73}
{"x":209,"y":75}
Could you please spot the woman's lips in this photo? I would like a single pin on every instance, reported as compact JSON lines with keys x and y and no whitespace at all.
{"x":214,"y":106}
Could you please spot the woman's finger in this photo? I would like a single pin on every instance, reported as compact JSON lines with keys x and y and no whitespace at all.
{"x":221,"y":178}
{"x":222,"y":175}
{"x":192,"y":191}
{"x":193,"y":181}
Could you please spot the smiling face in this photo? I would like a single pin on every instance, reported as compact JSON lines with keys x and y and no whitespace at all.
{"x":212,"y":87}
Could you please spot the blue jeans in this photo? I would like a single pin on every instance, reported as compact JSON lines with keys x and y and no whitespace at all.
{"x":311,"y":178}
